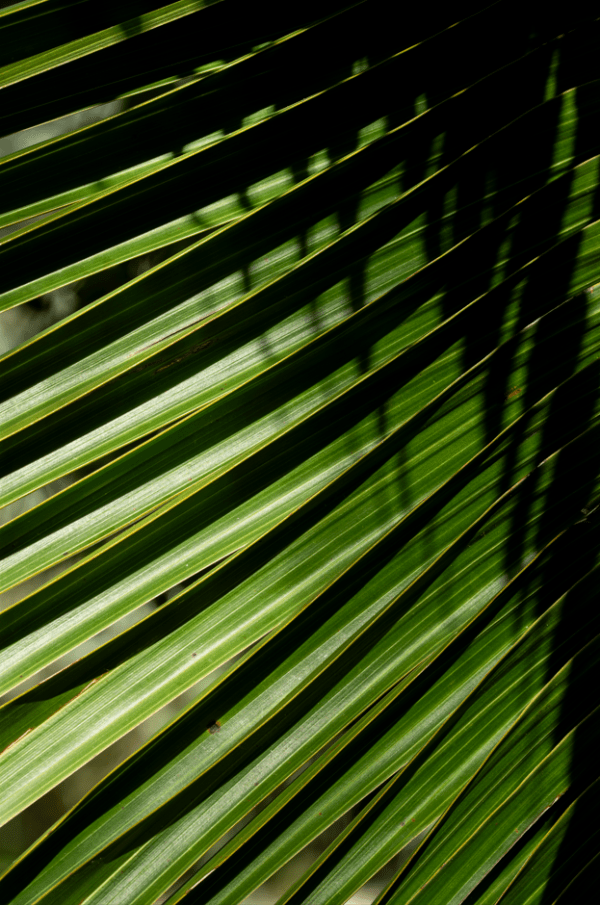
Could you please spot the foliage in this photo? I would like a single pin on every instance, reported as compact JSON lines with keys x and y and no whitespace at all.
{"x":352,"y":414}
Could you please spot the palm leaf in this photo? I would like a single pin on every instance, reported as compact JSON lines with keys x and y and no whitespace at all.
{"x":350,"y":414}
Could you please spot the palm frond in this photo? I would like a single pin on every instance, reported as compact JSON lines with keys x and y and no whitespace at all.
{"x":350,"y":412}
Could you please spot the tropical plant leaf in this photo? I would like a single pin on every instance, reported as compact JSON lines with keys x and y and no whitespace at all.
{"x":350,"y":413}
